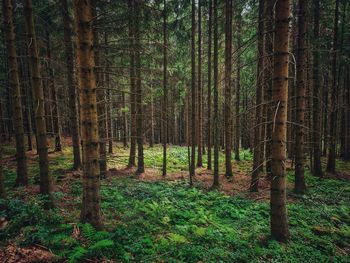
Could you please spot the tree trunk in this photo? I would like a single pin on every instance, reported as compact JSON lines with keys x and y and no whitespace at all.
{"x":131,"y":5}
{"x":74,"y":118}
{"x":334,"y":95}
{"x":278,"y":213}
{"x":2,"y":141}
{"x":193,"y":91}
{"x":90,"y":213}
{"x":301,"y":80}
{"x":139,"y":114}
{"x":38,"y":96}
{"x":165,"y":90}
{"x":317,"y":169}
{"x":199,"y":88}
{"x":228,"y":80}
{"x":216,"y":97}
{"x":254,"y":185}
{"x":237,"y":128}
{"x":13,"y":77}
{"x":210,"y":10}
{"x":55,"y":109}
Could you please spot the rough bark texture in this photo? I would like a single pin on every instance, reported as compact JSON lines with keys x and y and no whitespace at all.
{"x":278,"y":213}
{"x":210,"y":22}
{"x":132,"y":155}
{"x":334,"y":96}
{"x":301,"y":80}
{"x":38,"y":96}
{"x":13,"y":78}
{"x":90,"y":211}
{"x":193,"y":91}
{"x":317,"y":169}
{"x":199,"y":88}
{"x":216,"y":97}
{"x":74,"y":119}
{"x":2,"y":140}
{"x":254,"y":185}
{"x":228,"y":81}
{"x":165,"y":90}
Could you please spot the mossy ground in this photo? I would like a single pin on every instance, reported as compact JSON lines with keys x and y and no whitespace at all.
{"x":167,"y":221}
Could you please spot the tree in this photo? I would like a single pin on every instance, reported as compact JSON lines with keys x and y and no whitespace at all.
{"x":199,"y":88}
{"x":90,"y":212}
{"x":254,"y":185}
{"x":38,"y":96}
{"x":300,"y":186}
{"x":139,"y":114}
{"x":317,"y":169}
{"x":165,"y":89}
{"x":193,"y":91}
{"x":132,"y":155}
{"x":22,"y":176}
{"x":278,"y":213}
{"x":216,"y":97}
{"x":2,"y":140}
{"x":210,"y":22}
{"x":228,"y":80}
{"x":73,"y":114}
{"x":334,"y":96}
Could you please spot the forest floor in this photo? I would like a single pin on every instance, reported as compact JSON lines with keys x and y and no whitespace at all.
{"x":149,"y":218}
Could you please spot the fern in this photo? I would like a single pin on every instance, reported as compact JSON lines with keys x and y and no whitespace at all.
{"x":77,"y":255}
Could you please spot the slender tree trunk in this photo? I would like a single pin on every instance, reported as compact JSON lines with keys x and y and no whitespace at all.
{"x":254,"y":185}
{"x":55,"y":110}
{"x":139,"y":114}
{"x":216,"y":97}
{"x":165,"y":89}
{"x":237,"y":130}
{"x":210,"y":8}
{"x":38,"y":96}
{"x":74,"y":118}
{"x":279,"y":218}
{"x":199,"y":88}
{"x":301,"y":80}
{"x":228,"y":80}
{"x":13,"y":77}
{"x":90,"y":213}
{"x":317,"y":169}
{"x":334,"y":95}
{"x":109,"y":99}
{"x":132,"y":84}
{"x":193,"y":91}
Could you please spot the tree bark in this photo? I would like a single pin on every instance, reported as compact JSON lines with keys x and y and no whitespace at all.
{"x":210,"y":10}
{"x":199,"y":88}
{"x":317,"y":169}
{"x":131,"y":4}
{"x":90,"y":213}
{"x":301,"y":80}
{"x":254,"y":184}
{"x":165,"y":90}
{"x":38,"y":96}
{"x":13,"y":77}
{"x":228,"y":82}
{"x":193,"y":91}
{"x":334,"y":95}
{"x":74,"y":117}
{"x":278,"y":213}
{"x":216,"y":97}
{"x":139,"y":113}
